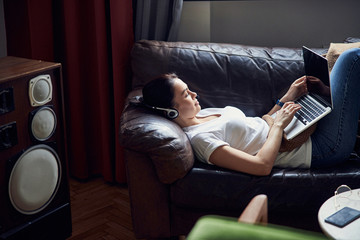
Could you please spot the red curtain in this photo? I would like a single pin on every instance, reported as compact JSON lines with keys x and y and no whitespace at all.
{"x":92,"y":39}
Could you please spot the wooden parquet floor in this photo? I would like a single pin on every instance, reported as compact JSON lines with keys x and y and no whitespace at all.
{"x":100,"y":211}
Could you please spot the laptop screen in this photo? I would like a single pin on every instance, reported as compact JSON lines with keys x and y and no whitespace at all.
{"x":317,"y":66}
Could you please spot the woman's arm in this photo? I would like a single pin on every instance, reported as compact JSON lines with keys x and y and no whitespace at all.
{"x":262,"y":163}
{"x":296,"y":90}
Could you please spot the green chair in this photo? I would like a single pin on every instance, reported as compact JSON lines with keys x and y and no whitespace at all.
{"x":252,"y":224}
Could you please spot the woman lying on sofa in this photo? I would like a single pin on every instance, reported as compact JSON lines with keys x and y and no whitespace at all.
{"x":227,"y":138}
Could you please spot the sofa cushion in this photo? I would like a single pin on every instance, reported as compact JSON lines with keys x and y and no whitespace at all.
{"x":250,"y":78}
{"x":336,"y":49}
{"x":352,"y":40}
{"x":218,"y":189}
{"x":162,"y":140}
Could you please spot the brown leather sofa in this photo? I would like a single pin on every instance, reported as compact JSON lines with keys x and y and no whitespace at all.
{"x":169,"y":189}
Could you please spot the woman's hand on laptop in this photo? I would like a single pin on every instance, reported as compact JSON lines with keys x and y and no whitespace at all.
{"x":285,"y":114}
{"x":296,"y":90}
{"x":317,"y":86}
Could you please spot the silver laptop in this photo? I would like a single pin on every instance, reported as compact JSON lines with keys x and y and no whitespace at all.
{"x":318,"y":102}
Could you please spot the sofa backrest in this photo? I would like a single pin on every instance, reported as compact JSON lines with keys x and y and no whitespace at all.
{"x":247,"y":77}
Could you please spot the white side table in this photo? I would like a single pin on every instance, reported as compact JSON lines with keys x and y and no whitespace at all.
{"x":350,"y":231}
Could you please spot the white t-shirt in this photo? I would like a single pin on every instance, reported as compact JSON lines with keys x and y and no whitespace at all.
{"x":247,"y":134}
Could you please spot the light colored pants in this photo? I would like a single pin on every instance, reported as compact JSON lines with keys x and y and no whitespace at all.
{"x":335,"y":135}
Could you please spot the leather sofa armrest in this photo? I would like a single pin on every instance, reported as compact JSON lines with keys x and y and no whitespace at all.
{"x":161,"y":139}
{"x":149,"y":198}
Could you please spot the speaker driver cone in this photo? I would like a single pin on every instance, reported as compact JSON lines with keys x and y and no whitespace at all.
{"x":43,"y":124}
{"x":34,"y":179}
{"x":40,"y":90}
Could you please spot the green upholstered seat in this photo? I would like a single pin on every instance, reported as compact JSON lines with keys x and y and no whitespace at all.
{"x":225,"y":228}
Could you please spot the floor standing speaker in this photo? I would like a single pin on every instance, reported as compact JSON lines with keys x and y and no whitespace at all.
{"x":34,"y":189}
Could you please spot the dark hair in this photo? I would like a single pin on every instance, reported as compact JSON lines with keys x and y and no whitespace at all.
{"x":159,"y":92}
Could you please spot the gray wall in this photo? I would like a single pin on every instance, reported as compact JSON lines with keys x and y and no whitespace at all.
{"x":287,"y":23}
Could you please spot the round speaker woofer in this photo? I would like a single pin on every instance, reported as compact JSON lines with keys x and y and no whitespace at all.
{"x":43,"y":124}
{"x":40,"y":90}
{"x":34,"y":179}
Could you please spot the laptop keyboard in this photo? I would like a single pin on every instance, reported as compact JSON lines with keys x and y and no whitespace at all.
{"x":309,"y":111}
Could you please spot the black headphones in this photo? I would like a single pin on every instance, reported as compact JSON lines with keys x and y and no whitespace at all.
{"x":171,"y":113}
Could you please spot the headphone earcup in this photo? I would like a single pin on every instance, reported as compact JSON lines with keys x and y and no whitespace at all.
{"x":172,"y":113}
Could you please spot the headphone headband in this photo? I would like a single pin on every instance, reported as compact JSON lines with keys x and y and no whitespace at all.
{"x":171,"y":113}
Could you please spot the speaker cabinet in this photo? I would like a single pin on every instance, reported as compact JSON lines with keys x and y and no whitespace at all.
{"x":34,"y":189}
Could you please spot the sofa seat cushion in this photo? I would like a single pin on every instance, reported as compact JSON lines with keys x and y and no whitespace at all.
{"x":218,"y":189}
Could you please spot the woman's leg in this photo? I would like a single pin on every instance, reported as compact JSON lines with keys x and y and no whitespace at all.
{"x":335,"y":136}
